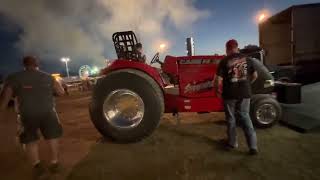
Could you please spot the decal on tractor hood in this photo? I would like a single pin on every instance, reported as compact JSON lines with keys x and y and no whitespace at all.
{"x":198,"y":61}
{"x":198,"y":86}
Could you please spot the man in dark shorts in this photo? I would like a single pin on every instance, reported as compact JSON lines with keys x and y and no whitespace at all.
{"x":235,"y":75}
{"x":34,"y":91}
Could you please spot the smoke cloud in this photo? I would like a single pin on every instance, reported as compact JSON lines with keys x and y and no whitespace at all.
{"x":82,"y":29}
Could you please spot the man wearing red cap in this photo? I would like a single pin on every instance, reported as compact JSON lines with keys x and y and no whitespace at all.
{"x":34,"y":92}
{"x":235,"y":74}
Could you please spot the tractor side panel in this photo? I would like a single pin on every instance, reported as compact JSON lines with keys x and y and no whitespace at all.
{"x":127,"y":64}
{"x":196,"y":77}
{"x":170,"y":65}
{"x":176,"y":103}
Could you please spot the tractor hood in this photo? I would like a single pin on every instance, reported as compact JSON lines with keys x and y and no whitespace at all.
{"x":121,"y":64}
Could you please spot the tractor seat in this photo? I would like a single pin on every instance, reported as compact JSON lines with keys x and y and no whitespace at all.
{"x":171,"y":89}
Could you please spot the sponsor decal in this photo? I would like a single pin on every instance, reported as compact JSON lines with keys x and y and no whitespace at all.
{"x":198,"y":61}
{"x":198,"y":86}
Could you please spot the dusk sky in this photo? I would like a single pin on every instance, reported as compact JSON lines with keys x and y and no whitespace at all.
{"x":212,"y":23}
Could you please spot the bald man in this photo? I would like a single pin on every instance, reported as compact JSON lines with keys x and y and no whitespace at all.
{"x":34,"y":91}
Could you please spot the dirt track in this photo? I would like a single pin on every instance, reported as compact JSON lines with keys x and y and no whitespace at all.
{"x":188,"y":151}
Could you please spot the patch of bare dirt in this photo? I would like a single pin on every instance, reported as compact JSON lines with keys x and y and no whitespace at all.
{"x":188,"y":151}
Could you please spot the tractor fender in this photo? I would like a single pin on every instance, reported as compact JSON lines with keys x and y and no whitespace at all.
{"x":132,"y":65}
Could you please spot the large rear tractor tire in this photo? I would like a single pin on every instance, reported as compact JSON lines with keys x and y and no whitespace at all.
{"x":127,"y":105}
{"x":265,"y":111}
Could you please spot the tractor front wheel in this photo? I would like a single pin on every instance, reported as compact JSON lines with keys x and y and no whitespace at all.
{"x":126,"y":106}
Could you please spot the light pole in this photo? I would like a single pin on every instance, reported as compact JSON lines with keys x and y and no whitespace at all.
{"x":66,"y":60}
{"x":261,"y":17}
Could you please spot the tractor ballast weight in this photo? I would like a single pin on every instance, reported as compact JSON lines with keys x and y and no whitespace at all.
{"x":129,"y":100}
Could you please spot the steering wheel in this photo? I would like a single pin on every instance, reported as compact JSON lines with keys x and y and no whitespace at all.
{"x":155,"y":59}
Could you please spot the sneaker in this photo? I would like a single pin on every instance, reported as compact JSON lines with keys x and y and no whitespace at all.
{"x":39,"y":171}
{"x":253,"y":152}
{"x":55,"y":168}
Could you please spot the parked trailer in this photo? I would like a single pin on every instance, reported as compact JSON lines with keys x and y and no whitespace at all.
{"x":291,"y":41}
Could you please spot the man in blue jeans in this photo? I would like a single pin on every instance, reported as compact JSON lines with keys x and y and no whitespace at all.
{"x":236,"y":73}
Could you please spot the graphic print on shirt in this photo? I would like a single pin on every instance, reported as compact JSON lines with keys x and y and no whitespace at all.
{"x":237,"y":70}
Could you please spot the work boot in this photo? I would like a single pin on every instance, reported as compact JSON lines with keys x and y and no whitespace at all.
{"x":39,"y":172}
{"x":55,"y":168}
{"x":227,"y":146}
{"x":253,"y":152}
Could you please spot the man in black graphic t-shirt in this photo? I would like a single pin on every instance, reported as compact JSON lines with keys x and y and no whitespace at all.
{"x":236,"y":73}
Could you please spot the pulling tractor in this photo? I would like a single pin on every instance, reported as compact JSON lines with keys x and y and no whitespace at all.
{"x":131,"y":97}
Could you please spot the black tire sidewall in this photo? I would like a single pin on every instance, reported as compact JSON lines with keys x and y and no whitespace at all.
{"x":133,"y":83}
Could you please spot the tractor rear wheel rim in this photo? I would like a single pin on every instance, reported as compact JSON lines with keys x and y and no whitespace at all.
{"x":266,"y":114}
{"x":123,"y":108}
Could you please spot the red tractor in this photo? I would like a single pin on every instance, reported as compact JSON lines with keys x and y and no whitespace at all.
{"x":131,"y":97}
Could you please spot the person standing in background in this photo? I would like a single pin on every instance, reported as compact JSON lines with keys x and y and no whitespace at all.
{"x":141,"y":56}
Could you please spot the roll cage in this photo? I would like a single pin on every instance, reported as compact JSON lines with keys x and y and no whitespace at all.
{"x":124,"y":44}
